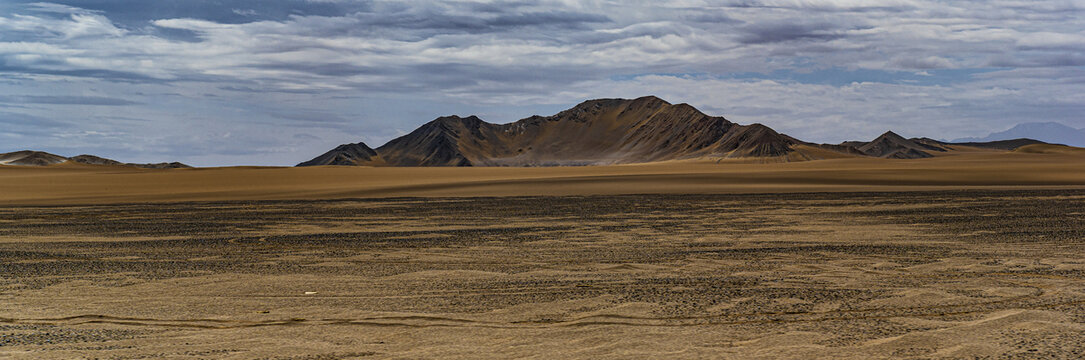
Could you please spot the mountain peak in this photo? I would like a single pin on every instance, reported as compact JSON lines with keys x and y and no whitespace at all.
{"x":357,"y":145}
{"x":890,"y":135}
{"x":893,"y":146}
{"x":454,"y":120}
{"x":651,"y":99}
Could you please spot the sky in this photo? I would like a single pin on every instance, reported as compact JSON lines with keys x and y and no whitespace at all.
{"x":252,"y":82}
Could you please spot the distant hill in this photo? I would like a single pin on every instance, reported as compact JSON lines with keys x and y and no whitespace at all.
{"x":1050,"y":132}
{"x":346,"y":154}
{"x":39,"y":158}
{"x":1012,"y":144}
{"x":30,"y":158}
{"x":893,"y":146}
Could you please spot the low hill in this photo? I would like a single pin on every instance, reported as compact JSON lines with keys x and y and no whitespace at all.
{"x":30,"y":158}
{"x":346,"y":154}
{"x":1050,"y":149}
{"x":1002,"y":144}
{"x":1048,"y":132}
{"x":892,"y":146}
{"x":39,"y":158}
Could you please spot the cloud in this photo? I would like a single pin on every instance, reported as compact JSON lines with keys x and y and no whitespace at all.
{"x":1046,"y":60}
{"x":1052,"y":41}
{"x":924,"y":63}
{"x":245,"y":12}
{"x":65,"y":100}
{"x":784,"y":32}
{"x":15,"y":120}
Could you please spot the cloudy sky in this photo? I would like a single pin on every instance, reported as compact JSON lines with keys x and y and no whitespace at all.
{"x":257,"y":82}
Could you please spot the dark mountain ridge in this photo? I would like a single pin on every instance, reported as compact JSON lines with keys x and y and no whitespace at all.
{"x":608,"y":131}
{"x":346,"y":154}
{"x":1049,"y":132}
{"x":595,"y":132}
{"x":893,"y":146}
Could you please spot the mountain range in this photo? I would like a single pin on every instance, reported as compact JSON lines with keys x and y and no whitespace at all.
{"x":614,"y":131}
{"x":1051,"y":132}
{"x":41,"y":158}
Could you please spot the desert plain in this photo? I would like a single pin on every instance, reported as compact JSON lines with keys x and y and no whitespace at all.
{"x":974,"y":254}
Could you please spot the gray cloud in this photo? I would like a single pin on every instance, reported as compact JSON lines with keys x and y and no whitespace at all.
{"x":14,"y":119}
{"x":66,"y":100}
{"x":783,"y":32}
{"x":923,"y":63}
{"x":1052,"y":60}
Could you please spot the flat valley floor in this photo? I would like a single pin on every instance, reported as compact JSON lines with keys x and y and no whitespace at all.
{"x":958,"y":274}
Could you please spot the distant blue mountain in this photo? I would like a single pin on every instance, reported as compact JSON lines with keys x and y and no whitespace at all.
{"x":1050,"y":132}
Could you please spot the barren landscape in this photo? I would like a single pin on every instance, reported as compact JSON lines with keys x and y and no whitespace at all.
{"x":508,"y":179}
{"x":943,"y":257}
{"x":1030,"y":167}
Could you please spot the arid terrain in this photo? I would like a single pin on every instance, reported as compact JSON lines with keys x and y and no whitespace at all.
{"x":966,"y":255}
{"x":950,"y":273}
{"x":1030,"y":167}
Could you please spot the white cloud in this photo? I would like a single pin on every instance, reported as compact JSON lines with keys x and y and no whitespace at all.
{"x":1050,"y":40}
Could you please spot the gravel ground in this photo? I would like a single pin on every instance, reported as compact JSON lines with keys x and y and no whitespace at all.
{"x":916,"y":274}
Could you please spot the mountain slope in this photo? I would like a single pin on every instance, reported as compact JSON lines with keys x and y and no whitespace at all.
{"x":346,"y":154}
{"x":893,"y":146}
{"x":97,"y":160}
{"x":30,"y":158}
{"x":1050,"y":132}
{"x":93,"y":160}
{"x":603,"y":131}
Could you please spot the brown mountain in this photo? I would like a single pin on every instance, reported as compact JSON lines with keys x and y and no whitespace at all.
{"x":39,"y":158}
{"x":346,"y":154}
{"x":610,"y":131}
{"x":604,"y":131}
{"x":93,"y":160}
{"x":30,"y":158}
{"x":97,"y":160}
{"x":893,"y":146}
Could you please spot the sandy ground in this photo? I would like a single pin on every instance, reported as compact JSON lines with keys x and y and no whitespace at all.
{"x":940,"y":274}
{"x":972,"y":254}
{"x":89,"y":184}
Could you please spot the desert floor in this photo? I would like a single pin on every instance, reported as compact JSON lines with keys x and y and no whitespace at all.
{"x":957,"y":273}
{"x":68,"y":184}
